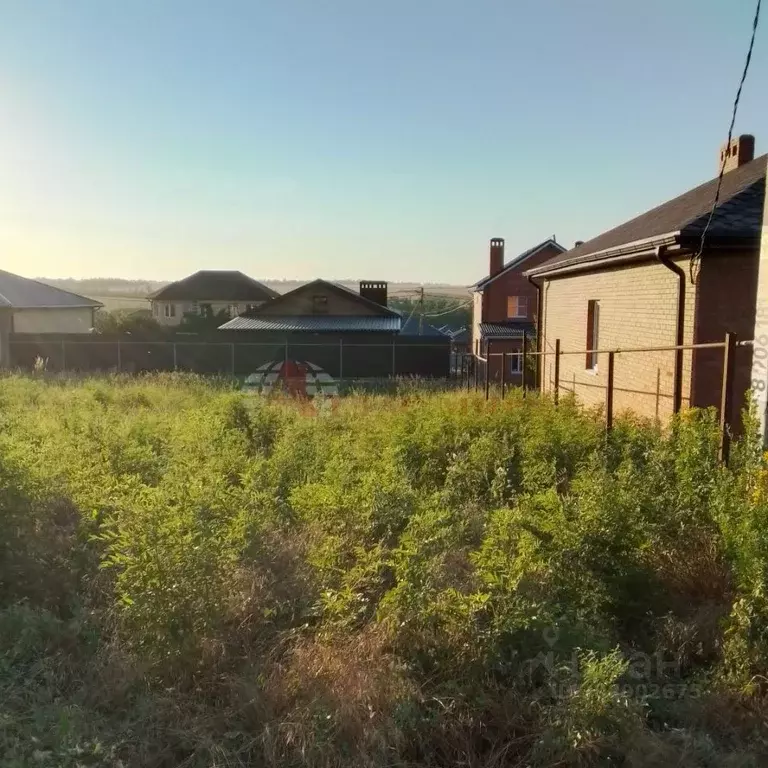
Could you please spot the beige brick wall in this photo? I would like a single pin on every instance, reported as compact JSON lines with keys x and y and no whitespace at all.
{"x":477,"y":318}
{"x":638,"y":308}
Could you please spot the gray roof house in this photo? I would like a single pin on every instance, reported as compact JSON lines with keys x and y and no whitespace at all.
{"x":31,"y":307}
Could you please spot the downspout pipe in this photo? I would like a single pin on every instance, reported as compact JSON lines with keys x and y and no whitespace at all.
{"x":540,"y":309}
{"x":661,"y":256}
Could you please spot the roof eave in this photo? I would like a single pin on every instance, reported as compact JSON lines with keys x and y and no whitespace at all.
{"x":639,"y":249}
{"x":94,"y":305}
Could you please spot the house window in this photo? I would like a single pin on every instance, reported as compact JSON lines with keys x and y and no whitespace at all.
{"x":516,"y":362}
{"x":206,"y":310}
{"x":517,"y":306}
{"x":320,"y":305}
{"x":593,"y":333}
{"x":252,"y":307}
{"x":234,"y":310}
{"x":170,"y":310}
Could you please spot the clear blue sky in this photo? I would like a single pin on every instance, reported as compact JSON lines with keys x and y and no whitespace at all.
{"x":346,"y":138}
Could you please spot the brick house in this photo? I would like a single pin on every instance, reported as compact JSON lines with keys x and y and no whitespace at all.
{"x":640,"y":285}
{"x":505,"y":305}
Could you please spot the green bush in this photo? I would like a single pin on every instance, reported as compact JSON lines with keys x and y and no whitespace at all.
{"x":193,"y":576}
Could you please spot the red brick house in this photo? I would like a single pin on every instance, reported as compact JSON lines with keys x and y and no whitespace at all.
{"x":505,"y":305}
{"x":641,"y":285}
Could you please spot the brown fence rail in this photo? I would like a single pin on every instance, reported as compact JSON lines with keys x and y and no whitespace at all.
{"x":479,"y":365}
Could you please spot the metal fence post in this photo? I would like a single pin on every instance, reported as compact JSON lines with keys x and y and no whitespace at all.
{"x":174,"y":356}
{"x":609,"y":394}
{"x":503,"y":374}
{"x":469,"y":371}
{"x":488,"y":369}
{"x":726,"y":396}
{"x":232,"y":351}
{"x":63,"y":356}
{"x":394,"y":358}
{"x":524,"y":380}
{"x":341,"y":359}
{"x":557,"y":371}
{"x":475,"y":364}
{"x":119,"y":357}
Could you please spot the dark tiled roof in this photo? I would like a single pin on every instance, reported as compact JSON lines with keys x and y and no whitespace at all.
{"x":506,"y":330}
{"x":313,"y":323}
{"x":739,"y":214}
{"x":415,"y":326}
{"x":216,"y":285}
{"x":517,"y":261}
{"x":23,"y":293}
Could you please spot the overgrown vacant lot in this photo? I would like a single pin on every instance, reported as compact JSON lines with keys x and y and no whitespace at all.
{"x":189,"y":576}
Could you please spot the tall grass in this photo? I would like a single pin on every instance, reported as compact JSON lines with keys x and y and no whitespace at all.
{"x":190,"y":576}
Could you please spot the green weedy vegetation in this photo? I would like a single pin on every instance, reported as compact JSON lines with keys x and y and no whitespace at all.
{"x":190,"y":576}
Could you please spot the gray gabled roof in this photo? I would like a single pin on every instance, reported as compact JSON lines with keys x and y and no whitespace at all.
{"x":738,"y":216}
{"x":216,"y":285}
{"x":22,"y":293}
{"x":516,"y":262}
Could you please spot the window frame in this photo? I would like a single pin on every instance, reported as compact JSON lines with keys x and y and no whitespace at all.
{"x":518,"y":301}
{"x":593,"y":334}
{"x":515,"y":357}
{"x":169,"y":310}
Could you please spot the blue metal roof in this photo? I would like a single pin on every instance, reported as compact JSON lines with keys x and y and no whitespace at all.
{"x":313,"y":323}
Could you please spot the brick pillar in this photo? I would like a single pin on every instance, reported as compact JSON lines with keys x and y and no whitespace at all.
{"x":760,"y":352}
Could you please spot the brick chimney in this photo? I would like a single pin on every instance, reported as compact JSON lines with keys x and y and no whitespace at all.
{"x":741,"y":150}
{"x":375,"y":290}
{"x":497,"y":255}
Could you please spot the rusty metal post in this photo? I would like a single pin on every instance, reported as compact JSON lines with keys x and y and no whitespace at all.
{"x":488,"y":369}
{"x":557,"y":371}
{"x":609,"y":394}
{"x":474,"y":363}
{"x":468,"y":355}
{"x":503,"y":374}
{"x":726,"y":396}
{"x":524,"y":381}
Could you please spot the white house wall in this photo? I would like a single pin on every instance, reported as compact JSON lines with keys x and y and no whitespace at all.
{"x":58,"y":320}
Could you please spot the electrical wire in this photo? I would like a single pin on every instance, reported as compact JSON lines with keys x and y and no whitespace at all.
{"x":695,"y":263}
{"x":448,"y":311}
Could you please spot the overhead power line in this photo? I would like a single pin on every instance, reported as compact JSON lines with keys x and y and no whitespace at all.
{"x":448,"y":311}
{"x":696,"y":260}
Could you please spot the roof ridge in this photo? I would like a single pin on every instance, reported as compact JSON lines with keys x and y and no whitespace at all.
{"x":518,"y":259}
